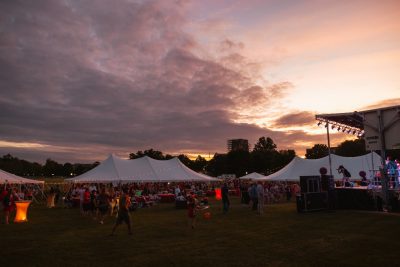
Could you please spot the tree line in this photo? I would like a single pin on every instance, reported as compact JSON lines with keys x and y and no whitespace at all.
{"x":51,"y":168}
{"x":264,"y":158}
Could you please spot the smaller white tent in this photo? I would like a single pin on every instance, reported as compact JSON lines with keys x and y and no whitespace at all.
{"x":145,"y":169}
{"x":254,"y":176}
{"x":6,"y":177}
{"x":304,"y":167}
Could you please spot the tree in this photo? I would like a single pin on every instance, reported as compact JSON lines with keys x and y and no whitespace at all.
{"x":68,"y":168}
{"x":217,"y":165}
{"x":199,"y":164}
{"x":286,"y":156}
{"x":351,"y":148}
{"x":52,"y":168}
{"x":155,"y":154}
{"x":238,"y":162}
{"x":264,"y":144}
{"x":317,"y":151}
{"x":185,"y":160}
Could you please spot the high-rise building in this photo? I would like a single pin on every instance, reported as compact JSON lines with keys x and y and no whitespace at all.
{"x":238,"y":145}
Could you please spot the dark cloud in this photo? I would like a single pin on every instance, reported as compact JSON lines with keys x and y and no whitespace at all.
{"x":89,"y":78}
{"x":295,"y":119}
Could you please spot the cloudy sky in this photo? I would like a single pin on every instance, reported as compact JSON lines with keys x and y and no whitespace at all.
{"x":82,"y":79}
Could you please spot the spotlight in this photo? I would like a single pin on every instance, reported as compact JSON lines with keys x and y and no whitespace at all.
{"x":349,"y":130}
{"x":344,"y":129}
{"x":333,"y":127}
{"x":326,"y":125}
{"x":319,"y":123}
{"x":338,"y":128}
{"x":354,"y":132}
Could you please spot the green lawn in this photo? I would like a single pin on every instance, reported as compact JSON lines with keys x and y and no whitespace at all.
{"x":282,"y":237}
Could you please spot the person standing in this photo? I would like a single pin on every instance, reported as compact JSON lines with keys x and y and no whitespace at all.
{"x":225,"y":198}
{"x":288,"y":193}
{"x":192,"y":206}
{"x":392,"y":171}
{"x":123,"y":212}
{"x":103,"y":203}
{"x":260,"y":198}
{"x":9,"y":199}
{"x":346,"y":175}
{"x":253,"y":196}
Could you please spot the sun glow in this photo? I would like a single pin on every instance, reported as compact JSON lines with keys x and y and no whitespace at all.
{"x":21,"y":144}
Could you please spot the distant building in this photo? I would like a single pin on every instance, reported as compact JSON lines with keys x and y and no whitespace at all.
{"x":238,"y":145}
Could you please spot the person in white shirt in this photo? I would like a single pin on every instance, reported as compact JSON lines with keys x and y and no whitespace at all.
{"x":177,"y":191}
{"x":260,"y":197}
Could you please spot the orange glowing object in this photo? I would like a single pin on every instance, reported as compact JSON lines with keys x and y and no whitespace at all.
{"x":22,"y":210}
{"x":207,"y":215}
{"x":218,"y":195}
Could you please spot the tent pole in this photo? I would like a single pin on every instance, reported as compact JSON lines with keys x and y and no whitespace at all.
{"x":329,"y":149}
{"x":373,"y":166}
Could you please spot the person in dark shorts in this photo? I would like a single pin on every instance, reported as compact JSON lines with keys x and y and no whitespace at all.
{"x":123,"y":212}
{"x":103,"y":204}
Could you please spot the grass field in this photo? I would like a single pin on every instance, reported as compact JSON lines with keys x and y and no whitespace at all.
{"x":281,"y":237}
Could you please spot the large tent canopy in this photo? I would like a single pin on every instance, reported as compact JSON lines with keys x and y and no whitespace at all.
{"x":304,"y":167}
{"x":254,"y":176}
{"x":145,"y":169}
{"x":6,"y":177}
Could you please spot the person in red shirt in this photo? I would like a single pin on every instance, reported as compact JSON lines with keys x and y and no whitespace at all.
{"x":86,"y":202}
{"x":8,"y":203}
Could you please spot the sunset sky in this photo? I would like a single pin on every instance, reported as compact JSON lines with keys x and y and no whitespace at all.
{"x":82,"y":79}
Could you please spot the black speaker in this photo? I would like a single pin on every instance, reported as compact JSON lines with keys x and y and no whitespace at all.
{"x":324,"y":183}
{"x":312,"y":201}
{"x":310,"y":184}
{"x":316,"y":201}
{"x":327,"y":183}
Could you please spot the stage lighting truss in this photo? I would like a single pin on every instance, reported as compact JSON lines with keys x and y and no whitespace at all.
{"x":341,"y":128}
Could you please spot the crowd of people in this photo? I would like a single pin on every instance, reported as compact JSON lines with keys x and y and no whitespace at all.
{"x":100,"y":200}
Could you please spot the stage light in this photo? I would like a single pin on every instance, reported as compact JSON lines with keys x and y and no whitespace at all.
{"x":348,"y":131}
{"x":326,"y":125}
{"x":333,"y":127}
{"x":344,"y":129}
{"x":319,"y":123}
{"x":354,"y":132}
{"x":338,"y":128}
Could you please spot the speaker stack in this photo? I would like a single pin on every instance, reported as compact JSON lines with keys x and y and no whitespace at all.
{"x":314,"y":194}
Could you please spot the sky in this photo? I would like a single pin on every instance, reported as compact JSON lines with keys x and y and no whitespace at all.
{"x":82,"y":79}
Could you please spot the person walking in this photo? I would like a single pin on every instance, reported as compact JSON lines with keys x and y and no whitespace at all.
{"x":123,"y":212}
{"x":225,"y":198}
{"x":260,"y":198}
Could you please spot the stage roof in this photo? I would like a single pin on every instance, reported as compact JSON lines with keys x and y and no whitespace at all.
{"x":351,"y":119}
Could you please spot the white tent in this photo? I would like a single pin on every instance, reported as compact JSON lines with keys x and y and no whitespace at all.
{"x":254,"y":176}
{"x":6,"y":177}
{"x":145,"y":169}
{"x":304,"y":167}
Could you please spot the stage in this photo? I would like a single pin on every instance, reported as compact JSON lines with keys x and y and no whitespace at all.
{"x":364,"y":198}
